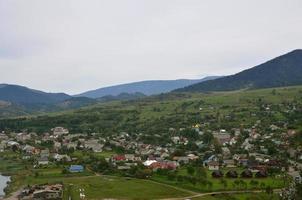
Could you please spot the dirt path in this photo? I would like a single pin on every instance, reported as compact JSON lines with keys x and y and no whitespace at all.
{"x":217,"y":193}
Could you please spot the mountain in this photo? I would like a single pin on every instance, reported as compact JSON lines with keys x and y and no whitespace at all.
{"x":18,"y":100}
{"x":122,"y":96}
{"x":23,"y":95}
{"x":75,"y":102}
{"x":145,"y":87}
{"x":285,"y":70}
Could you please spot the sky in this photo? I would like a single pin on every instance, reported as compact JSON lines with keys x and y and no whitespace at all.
{"x":77,"y":45}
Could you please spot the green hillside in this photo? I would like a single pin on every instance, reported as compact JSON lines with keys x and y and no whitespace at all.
{"x":285,"y":70}
{"x":157,"y":114}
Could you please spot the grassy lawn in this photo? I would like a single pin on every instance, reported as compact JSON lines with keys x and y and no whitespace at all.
{"x":217,"y":184}
{"x":112,"y":187}
{"x":257,"y":196}
{"x":123,"y":188}
{"x":105,"y":154}
{"x":10,"y":162}
{"x":83,"y":155}
{"x":95,"y":187}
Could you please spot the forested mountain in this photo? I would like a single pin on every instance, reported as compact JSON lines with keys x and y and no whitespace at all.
{"x":145,"y":87}
{"x":285,"y":70}
{"x":23,"y":95}
{"x":18,"y":100}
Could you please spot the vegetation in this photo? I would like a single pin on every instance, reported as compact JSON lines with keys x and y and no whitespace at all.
{"x":282,"y":71}
{"x":157,"y":114}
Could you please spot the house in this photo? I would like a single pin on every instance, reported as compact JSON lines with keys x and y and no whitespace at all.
{"x":229,"y":163}
{"x":76,"y":168}
{"x":123,"y":167}
{"x":175,"y":139}
{"x":43,"y":161}
{"x":71,"y":145}
{"x":211,"y":158}
{"x":164,"y":155}
{"x":130,"y":157}
{"x":223,"y":137}
{"x":192,"y":157}
{"x":246,"y":145}
{"x":23,"y":137}
{"x":2,"y":146}
{"x":226,"y":152}
{"x":181,"y":159}
{"x":213,"y":165}
{"x":94,"y":145}
{"x":47,"y":194}
{"x":42,"y":192}
{"x":59,"y":131}
{"x":44,"y":153}
{"x":57,"y":145}
{"x":171,"y":165}
{"x":28,"y":149}
{"x":119,"y":158}
{"x":58,"y":157}
{"x":3,"y":136}
{"x":13,"y":143}
{"x":147,"y":163}
{"x":243,"y":162}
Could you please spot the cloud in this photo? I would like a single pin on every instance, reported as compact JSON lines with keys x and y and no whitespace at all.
{"x":73,"y":46}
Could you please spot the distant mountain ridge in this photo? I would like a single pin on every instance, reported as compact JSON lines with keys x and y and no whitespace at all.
{"x":122,"y":96}
{"x":18,"y":100}
{"x":23,"y":95}
{"x":145,"y":87}
{"x":285,"y":70}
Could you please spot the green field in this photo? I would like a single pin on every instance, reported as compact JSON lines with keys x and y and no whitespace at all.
{"x":96,"y":187}
{"x":247,"y":196}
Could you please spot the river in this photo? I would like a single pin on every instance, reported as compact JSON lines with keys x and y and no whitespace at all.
{"x":3,"y":184}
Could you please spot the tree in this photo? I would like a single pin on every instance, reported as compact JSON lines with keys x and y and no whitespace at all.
{"x":102,"y":165}
{"x":210,"y":185}
{"x":269,"y":190}
{"x":224,"y":183}
{"x":171,"y":175}
{"x":254,"y":183}
{"x":180,"y":178}
{"x":236,"y":183}
{"x":190,"y":170}
{"x":262,"y":185}
{"x":65,"y":171}
{"x":243,"y":184}
{"x":201,"y":172}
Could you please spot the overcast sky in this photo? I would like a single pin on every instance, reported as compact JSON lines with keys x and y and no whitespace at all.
{"x":73,"y":46}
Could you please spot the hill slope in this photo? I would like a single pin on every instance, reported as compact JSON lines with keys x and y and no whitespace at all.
{"x":158,"y":113}
{"x":23,"y":95}
{"x":285,"y":70}
{"x":145,"y":87}
{"x":18,"y":101}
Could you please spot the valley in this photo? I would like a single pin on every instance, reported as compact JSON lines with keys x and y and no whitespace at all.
{"x":190,"y":142}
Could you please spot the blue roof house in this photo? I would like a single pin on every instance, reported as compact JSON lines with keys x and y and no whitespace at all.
{"x":76,"y":168}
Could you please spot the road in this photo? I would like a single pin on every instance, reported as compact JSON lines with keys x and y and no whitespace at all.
{"x":217,"y":193}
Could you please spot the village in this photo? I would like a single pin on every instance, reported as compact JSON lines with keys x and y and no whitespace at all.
{"x":232,"y":154}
